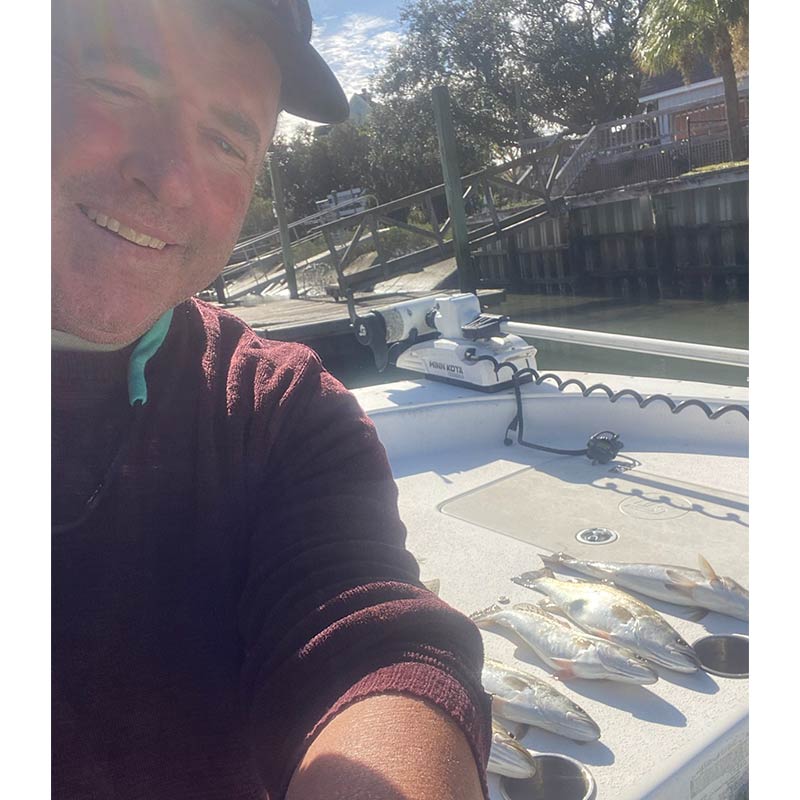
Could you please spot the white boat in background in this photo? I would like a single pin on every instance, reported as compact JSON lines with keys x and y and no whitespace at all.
{"x":481,"y":506}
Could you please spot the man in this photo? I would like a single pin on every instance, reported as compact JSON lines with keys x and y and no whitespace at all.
{"x":234,"y":613}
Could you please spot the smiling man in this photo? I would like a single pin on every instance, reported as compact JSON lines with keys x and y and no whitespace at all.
{"x":234,"y":614}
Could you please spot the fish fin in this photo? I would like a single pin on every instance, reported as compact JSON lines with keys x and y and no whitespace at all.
{"x":551,"y":608}
{"x":696,"y":614}
{"x":621,"y":613}
{"x":678,"y":581}
{"x":555,"y":559}
{"x":484,"y":614}
{"x":528,"y":579}
{"x":707,"y":569}
{"x":564,"y":668}
{"x":433,"y":585}
{"x":544,"y":572}
{"x":516,"y":683}
{"x":540,"y":609}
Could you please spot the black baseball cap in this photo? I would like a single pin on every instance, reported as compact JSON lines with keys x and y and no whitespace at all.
{"x":310,"y":89}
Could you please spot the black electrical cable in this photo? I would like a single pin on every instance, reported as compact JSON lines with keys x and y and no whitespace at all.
{"x":605,"y":445}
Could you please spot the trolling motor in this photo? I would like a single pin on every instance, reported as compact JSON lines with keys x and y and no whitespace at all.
{"x":446,"y":338}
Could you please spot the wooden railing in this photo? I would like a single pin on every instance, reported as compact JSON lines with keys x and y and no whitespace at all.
{"x":608,"y":141}
{"x":524,"y":184}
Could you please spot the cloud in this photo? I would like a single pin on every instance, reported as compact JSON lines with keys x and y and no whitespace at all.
{"x":354,"y":48}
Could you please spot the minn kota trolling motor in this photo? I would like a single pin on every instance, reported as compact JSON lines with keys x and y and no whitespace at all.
{"x":447,"y":338}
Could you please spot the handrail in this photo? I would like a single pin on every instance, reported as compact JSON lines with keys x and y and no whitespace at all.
{"x":413,"y":199}
{"x":637,"y":344}
{"x":568,"y":173}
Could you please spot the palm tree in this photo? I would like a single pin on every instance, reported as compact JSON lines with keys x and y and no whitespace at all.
{"x":673,"y":33}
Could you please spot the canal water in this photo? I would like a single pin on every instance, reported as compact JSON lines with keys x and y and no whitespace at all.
{"x":723,"y":323}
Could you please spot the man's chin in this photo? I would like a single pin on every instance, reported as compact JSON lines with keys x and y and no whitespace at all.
{"x":105,"y":333}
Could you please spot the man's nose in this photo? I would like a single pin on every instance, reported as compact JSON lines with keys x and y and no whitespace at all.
{"x":161,"y":167}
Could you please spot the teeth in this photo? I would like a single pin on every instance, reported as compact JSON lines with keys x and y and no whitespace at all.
{"x":124,"y":231}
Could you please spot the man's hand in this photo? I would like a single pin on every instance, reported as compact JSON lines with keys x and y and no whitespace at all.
{"x":388,"y":747}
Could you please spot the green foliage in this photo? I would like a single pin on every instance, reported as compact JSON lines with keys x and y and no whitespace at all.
{"x":259,"y":217}
{"x":313,"y":166}
{"x":675,"y":32}
{"x":404,"y":148}
{"x":574,"y":58}
{"x":515,"y":67}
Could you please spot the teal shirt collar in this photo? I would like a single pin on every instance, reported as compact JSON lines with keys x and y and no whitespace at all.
{"x":146,"y":348}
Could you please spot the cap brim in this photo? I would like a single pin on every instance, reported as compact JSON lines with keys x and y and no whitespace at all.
{"x":309,"y":87}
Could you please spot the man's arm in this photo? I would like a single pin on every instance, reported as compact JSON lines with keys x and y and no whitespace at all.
{"x":388,"y":747}
{"x":332,"y":611}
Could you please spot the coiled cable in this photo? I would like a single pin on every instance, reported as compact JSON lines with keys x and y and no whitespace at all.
{"x":603,"y":446}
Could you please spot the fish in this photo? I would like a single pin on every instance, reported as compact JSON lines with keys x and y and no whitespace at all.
{"x":610,"y":613}
{"x":522,"y":697}
{"x":571,"y":652}
{"x":702,"y":588}
{"x":433,"y":585}
{"x":507,"y":756}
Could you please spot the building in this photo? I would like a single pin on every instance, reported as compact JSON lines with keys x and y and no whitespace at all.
{"x":693,"y":108}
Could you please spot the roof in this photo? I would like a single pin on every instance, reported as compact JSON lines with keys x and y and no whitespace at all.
{"x":673,"y":79}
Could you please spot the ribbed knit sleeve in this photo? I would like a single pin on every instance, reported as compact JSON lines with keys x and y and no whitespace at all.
{"x":333,"y":610}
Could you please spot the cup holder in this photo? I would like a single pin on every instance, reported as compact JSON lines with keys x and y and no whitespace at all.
{"x":726,"y":655}
{"x":557,"y":778}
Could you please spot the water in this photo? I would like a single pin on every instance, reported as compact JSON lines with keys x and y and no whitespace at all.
{"x":724,"y":324}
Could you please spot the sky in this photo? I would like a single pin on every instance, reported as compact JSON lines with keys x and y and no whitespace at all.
{"x":355,"y":37}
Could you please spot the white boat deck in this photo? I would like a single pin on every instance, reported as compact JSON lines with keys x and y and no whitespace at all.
{"x":479,"y":512}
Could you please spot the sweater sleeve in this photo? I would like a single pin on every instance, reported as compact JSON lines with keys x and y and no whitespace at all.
{"x":333,"y":610}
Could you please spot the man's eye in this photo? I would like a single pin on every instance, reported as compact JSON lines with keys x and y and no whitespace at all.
{"x":227,"y":148}
{"x":111,"y":89}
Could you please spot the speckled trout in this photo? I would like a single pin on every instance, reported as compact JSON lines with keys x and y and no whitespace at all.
{"x":612,"y":614}
{"x":507,"y":756}
{"x":571,"y":652}
{"x":701,"y":588}
{"x":521,"y":697}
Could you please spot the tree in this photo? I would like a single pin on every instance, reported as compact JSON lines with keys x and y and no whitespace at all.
{"x":520,"y":66}
{"x":674,"y":32}
{"x":404,"y":148}
{"x":313,"y":166}
{"x":575,"y":59}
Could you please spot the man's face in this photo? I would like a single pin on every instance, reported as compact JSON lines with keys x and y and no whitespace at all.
{"x":161,"y":119}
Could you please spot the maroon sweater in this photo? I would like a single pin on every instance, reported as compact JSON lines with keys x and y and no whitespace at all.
{"x":243,"y":578}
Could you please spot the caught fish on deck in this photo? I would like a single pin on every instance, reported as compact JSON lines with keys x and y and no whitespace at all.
{"x":507,"y":756}
{"x":612,"y":614}
{"x":572,"y":653}
{"x":521,"y":697}
{"x":701,"y":588}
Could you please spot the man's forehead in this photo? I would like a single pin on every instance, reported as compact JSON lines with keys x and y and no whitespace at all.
{"x":115,"y":24}
{"x":140,"y":59}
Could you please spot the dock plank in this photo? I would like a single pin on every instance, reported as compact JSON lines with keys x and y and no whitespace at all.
{"x":304,"y":320}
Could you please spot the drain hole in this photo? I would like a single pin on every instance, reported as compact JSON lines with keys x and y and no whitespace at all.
{"x":596,"y":536}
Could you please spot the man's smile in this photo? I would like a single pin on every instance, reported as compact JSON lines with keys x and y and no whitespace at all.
{"x":114,"y":225}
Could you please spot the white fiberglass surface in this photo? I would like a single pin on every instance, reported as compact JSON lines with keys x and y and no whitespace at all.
{"x":479,"y":512}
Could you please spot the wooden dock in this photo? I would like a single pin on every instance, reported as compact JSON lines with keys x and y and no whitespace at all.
{"x":312,"y":320}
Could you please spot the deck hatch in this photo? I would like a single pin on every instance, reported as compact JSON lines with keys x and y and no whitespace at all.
{"x":658,"y":517}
